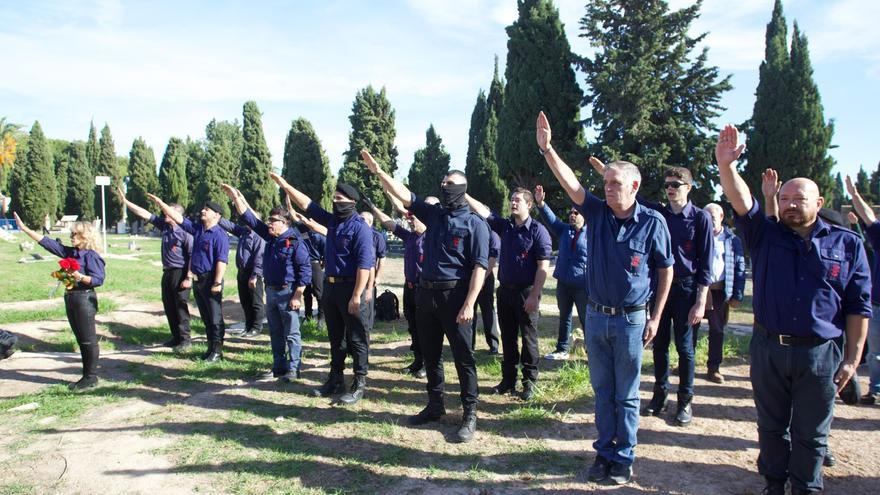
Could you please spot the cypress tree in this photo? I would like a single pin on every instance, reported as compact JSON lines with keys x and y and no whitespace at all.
{"x":17,"y":175}
{"x":108,"y":165}
{"x":231,"y":133}
{"x":61,"y":162}
{"x":35,"y":195}
{"x":219,"y":165}
{"x":430,"y":165}
{"x":481,"y":166}
{"x":80,"y":183}
{"x":874,"y":185}
{"x":92,"y":149}
{"x":372,"y":128}
{"x":172,"y":173}
{"x":306,"y":164}
{"x":839,"y":195}
{"x":863,"y":183}
{"x":256,"y":163}
{"x":478,"y":122}
{"x":653,"y":100}
{"x":142,"y":168}
{"x":539,"y":76}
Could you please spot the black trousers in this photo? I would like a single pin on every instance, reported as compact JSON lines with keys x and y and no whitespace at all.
{"x":251,"y":301}
{"x":347,"y":333}
{"x":515,"y":322}
{"x":210,"y":308}
{"x":409,"y":311}
{"x":176,"y":303}
{"x":486,"y":304}
{"x":314,"y":290}
{"x":81,"y":307}
{"x":436,"y":311}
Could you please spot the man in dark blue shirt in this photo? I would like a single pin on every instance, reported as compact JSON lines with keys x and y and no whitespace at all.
{"x":315,"y":245}
{"x":486,"y":301}
{"x":177,"y":246}
{"x":453,"y":270}
{"x":628,"y":247}
{"x":380,"y":247}
{"x":249,"y":261}
{"x":523,"y":266}
{"x":349,"y":256}
{"x":812,"y":301}
{"x":208,"y":264}
{"x":570,"y":272}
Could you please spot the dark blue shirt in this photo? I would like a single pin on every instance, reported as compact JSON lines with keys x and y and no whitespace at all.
{"x":522,"y":246}
{"x":285,"y":259}
{"x":177,"y":244}
{"x":571,"y":264}
{"x":455,"y":241}
{"x":413,"y":252}
{"x":805,"y":287}
{"x":349,"y":245}
{"x":623,"y":255}
{"x":379,"y":245}
{"x":494,"y":244}
{"x":873,"y":235}
{"x":90,"y":262}
{"x":209,"y":246}
{"x":315,"y":243}
{"x":691,"y":234}
{"x":249,"y":254}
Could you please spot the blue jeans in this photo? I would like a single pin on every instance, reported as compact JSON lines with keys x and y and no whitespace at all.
{"x":614,"y":344}
{"x":874,"y":352}
{"x":674,"y":323}
{"x":284,"y":331}
{"x":566,"y":296}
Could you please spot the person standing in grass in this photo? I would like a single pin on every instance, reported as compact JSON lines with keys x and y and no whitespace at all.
{"x":80,"y":300}
{"x":177,"y":247}
{"x":486,"y":300}
{"x":249,"y":261}
{"x":629,"y":247}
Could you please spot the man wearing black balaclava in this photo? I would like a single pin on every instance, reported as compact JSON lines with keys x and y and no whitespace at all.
{"x":456,"y":254}
{"x":349,"y":257}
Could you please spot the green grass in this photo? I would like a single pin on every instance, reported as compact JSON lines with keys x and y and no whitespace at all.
{"x":105,"y":306}
{"x":59,"y":402}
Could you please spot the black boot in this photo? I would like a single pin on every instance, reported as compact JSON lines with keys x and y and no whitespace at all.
{"x":432,"y":412}
{"x":89,"y":353}
{"x":468,"y":426}
{"x":658,"y":403}
{"x":528,"y":390}
{"x":505,"y":386}
{"x":774,"y":487}
{"x":333,"y":386}
{"x":215,"y":353}
{"x":684,"y":415}
{"x":356,"y":391}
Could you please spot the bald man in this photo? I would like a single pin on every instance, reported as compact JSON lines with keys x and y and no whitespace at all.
{"x":811,"y":286}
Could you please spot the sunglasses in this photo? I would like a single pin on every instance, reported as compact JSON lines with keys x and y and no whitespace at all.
{"x":275,"y":219}
{"x":674,"y":185}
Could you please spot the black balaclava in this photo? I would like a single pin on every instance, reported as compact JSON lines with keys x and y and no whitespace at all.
{"x":342,"y":211}
{"x":452,"y":196}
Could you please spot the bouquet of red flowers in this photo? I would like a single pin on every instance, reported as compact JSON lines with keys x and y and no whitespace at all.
{"x":65,"y":274}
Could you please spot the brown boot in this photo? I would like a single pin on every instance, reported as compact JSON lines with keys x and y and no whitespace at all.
{"x":714,"y":376}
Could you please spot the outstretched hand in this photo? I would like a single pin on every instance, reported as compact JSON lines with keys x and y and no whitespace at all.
{"x":281,"y":181}
{"x":542,"y":132}
{"x":539,"y":195}
{"x":19,"y":222}
{"x":597,"y":165}
{"x":230,"y":191}
{"x":728,"y":149}
{"x":851,"y":188}
{"x":370,"y":161}
{"x":120,"y":194}
{"x":770,"y":183}
{"x":154,"y":199}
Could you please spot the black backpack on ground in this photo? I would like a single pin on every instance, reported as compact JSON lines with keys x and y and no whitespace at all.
{"x":387,"y":306}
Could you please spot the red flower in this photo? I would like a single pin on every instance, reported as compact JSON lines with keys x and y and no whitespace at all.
{"x":68,"y":264}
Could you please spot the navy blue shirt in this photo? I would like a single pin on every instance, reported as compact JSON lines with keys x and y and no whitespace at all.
{"x":349,"y":245}
{"x":873,"y":235}
{"x":571,"y":265}
{"x":209,"y":246}
{"x":455,"y":241}
{"x":805,"y":287}
{"x":315,"y":244}
{"x":249,"y":255}
{"x":494,"y":244}
{"x":522,"y":246}
{"x":177,"y":244}
{"x":691,"y":234}
{"x":285,"y":260}
{"x":413,"y":252}
{"x":624,"y":255}
{"x":379,"y":245}
{"x":90,"y":262}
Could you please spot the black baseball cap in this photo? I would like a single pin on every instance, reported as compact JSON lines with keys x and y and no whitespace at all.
{"x":348,"y":191}
{"x":213,"y":205}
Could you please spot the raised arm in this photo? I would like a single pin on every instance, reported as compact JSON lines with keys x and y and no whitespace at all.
{"x":237,"y":198}
{"x":863,"y":209}
{"x":301,"y":200}
{"x":142,"y":213}
{"x":770,"y":186}
{"x":309,"y":223}
{"x":478,"y":207}
{"x":398,"y":206}
{"x":37,"y":237}
{"x":384,"y":219}
{"x":166,"y":209}
{"x":727,"y":152}
{"x":389,"y":184}
{"x":563,"y":173}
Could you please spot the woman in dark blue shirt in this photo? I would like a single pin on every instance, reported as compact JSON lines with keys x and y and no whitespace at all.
{"x":80,"y":300}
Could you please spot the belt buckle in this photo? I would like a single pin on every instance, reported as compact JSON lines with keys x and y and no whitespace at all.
{"x":332,"y":280}
{"x":608,"y":310}
{"x":783,"y":340}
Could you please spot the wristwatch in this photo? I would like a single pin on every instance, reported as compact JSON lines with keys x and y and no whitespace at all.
{"x":544,"y":151}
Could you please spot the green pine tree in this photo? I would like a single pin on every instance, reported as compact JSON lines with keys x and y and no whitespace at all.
{"x":372,"y":128}
{"x":839,"y":196}
{"x":863,"y":183}
{"x":219,"y":166}
{"x":481,"y":166}
{"x":34,"y":196}
{"x":256,"y":163}
{"x":306,"y":164}
{"x":653,"y":99}
{"x":58,"y":148}
{"x":108,"y":165}
{"x":92,"y":149}
{"x":80,"y":183}
{"x":539,"y":77}
{"x":430,"y":165}
{"x":874,"y":186}
{"x":231,"y":133}
{"x":142,"y":168}
{"x":173,"y":185}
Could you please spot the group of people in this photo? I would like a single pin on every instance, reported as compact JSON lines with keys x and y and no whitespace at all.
{"x":637,"y":273}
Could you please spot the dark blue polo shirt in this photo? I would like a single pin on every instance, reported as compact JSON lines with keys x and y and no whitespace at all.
{"x":522,"y":246}
{"x":249,"y":254}
{"x":209,"y":246}
{"x":379,"y":245}
{"x":494,"y":244}
{"x":177,"y":244}
{"x":571,"y":265}
{"x":90,"y":262}
{"x":315,"y":243}
{"x":455,"y":241}
{"x":623,"y":255}
{"x":691,"y":234}
{"x":805,"y":288}
{"x":349,"y":244}
{"x":285,"y":259}
{"x":413,"y":252}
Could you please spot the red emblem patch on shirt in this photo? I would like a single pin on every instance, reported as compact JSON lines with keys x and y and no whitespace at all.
{"x":287,"y":243}
{"x":455,"y":241}
{"x":524,"y":255}
{"x":688,"y":245}
{"x":635,"y":260}
{"x":834,"y":271}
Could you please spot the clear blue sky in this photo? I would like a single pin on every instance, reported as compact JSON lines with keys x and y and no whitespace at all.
{"x":160,"y":69}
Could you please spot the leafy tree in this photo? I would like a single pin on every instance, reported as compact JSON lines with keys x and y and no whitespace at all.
{"x":92,"y":149}
{"x":653,"y":99}
{"x":108,"y":165}
{"x":372,"y":128}
{"x":863,"y":183}
{"x":539,"y":76}
{"x":481,"y":166}
{"x":430,"y":165}
{"x":80,"y":183}
{"x":256,"y":163}
{"x":219,"y":166}
{"x":142,"y":168}
{"x":34,"y":196}
{"x":230,"y":132}
{"x":874,"y":186}
{"x":60,"y":160}
{"x":8,"y":143}
{"x":173,"y":185}
{"x":306,"y":165}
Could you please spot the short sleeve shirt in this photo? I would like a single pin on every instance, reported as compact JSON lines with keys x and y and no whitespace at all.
{"x":455,"y":241}
{"x":522,"y":246}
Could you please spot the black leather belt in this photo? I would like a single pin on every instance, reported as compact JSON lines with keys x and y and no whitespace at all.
{"x":681,"y":280}
{"x":339,"y":280}
{"x":277,"y":287}
{"x":80,"y":291}
{"x":200,"y":276}
{"x":515,"y":286}
{"x":167,"y":268}
{"x":440,"y":284}
{"x":612,"y":311}
{"x":790,"y":340}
